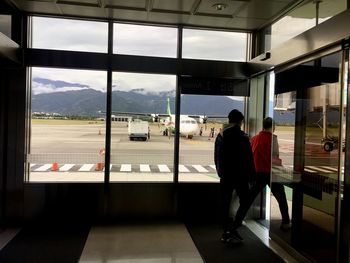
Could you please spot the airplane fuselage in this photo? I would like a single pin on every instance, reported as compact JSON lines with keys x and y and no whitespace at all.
{"x":188,"y":126}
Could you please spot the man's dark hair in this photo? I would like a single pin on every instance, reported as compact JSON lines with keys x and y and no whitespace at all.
{"x":267,"y":123}
{"x":235,"y":116}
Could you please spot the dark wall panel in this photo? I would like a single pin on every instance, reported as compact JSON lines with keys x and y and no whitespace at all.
{"x":88,"y":202}
{"x":12,"y":142}
{"x":199,"y":202}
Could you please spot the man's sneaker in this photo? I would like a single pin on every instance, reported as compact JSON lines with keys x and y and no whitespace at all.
{"x":285,"y":226}
{"x":236,"y":235}
{"x":235,"y":239}
{"x":226,"y":236}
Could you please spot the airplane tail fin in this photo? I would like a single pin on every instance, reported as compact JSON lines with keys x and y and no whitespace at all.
{"x":168,"y":107}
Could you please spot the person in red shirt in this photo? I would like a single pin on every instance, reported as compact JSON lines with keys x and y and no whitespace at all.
{"x":265,"y":147}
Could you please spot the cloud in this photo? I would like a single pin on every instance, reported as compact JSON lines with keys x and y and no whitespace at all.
{"x":149,"y":83}
{"x":39,"y":88}
{"x":214,"y":45}
{"x":79,"y":35}
{"x":68,"y":34}
{"x":90,"y":78}
{"x":145,"y":40}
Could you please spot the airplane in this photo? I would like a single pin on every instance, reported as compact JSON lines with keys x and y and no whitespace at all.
{"x":188,"y":123}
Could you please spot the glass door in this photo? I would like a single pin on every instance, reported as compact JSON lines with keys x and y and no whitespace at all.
{"x":310,"y":133}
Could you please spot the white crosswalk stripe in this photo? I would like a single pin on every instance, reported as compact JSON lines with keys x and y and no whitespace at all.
{"x":322,"y":169}
{"x":86,"y":167}
{"x":330,"y":168}
{"x":183,"y":169}
{"x":125,"y":168}
{"x":110,"y":167}
{"x":310,"y":169}
{"x":163,"y":168}
{"x":145,"y":168}
{"x":318,"y":169}
{"x":43,"y":168}
{"x":200,"y":168}
{"x":66,"y":167}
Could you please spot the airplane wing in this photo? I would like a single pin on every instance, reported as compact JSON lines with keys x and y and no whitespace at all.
{"x":206,"y":118}
{"x":156,"y":117}
{"x":132,"y":114}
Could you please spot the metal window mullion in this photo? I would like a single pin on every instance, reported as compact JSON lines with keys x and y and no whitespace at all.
{"x":341,"y":154}
{"x":108,"y":107}
{"x":177,"y":109}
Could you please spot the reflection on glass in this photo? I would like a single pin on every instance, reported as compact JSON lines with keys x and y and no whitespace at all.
{"x":202,"y":118}
{"x":330,"y":8}
{"x":142,"y":143}
{"x":214,"y":45}
{"x":68,"y":34}
{"x":67,"y":127}
{"x":300,"y":20}
{"x":311,"y":170}
{"x":5,"y":25}
{"x":283,"y":154}
{"x":145,"y":40}
{"x":293,"y":24}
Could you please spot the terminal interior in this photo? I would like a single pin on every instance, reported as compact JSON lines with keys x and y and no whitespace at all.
{"x":109,"y":112}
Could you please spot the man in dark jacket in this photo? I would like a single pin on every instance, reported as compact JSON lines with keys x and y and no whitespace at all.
{"x":235,"y":167}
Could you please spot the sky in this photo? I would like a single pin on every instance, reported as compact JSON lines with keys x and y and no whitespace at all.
{"x":98,"y":80}
{"x":90,"y":36}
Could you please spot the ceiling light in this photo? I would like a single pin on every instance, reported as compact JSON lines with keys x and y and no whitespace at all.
{"x":219,"y":6}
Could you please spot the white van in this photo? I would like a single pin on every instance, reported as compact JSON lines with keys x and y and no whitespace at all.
{"x":138,"y":129}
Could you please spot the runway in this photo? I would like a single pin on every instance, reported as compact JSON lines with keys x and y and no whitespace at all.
{"x":75,"y":147}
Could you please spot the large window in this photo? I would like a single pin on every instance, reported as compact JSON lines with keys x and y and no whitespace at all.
{"x":156,"y":41}
{"x":214,"y":45}
{"x":67,"y":125}
{"x":68,"y":34}
{"x":202,"y":118}
{"x":143,"y":122}
{"x":68,"y":106}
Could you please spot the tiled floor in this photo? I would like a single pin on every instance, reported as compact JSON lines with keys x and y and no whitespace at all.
{"x":6,"y":235}
{"x":157,"y":243}
{"x":149,"y":242}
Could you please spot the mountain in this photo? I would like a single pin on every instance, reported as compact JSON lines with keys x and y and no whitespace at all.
{"x":88,"y":102}
{"x":55,"y":96}
{"x":84,"y":102}
{"x":209,"y":105}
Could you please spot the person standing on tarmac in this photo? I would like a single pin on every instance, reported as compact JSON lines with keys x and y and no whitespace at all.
{"x":235,"y":167}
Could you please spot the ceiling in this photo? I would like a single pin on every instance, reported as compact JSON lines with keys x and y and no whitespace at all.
{"x":245,"y":15}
